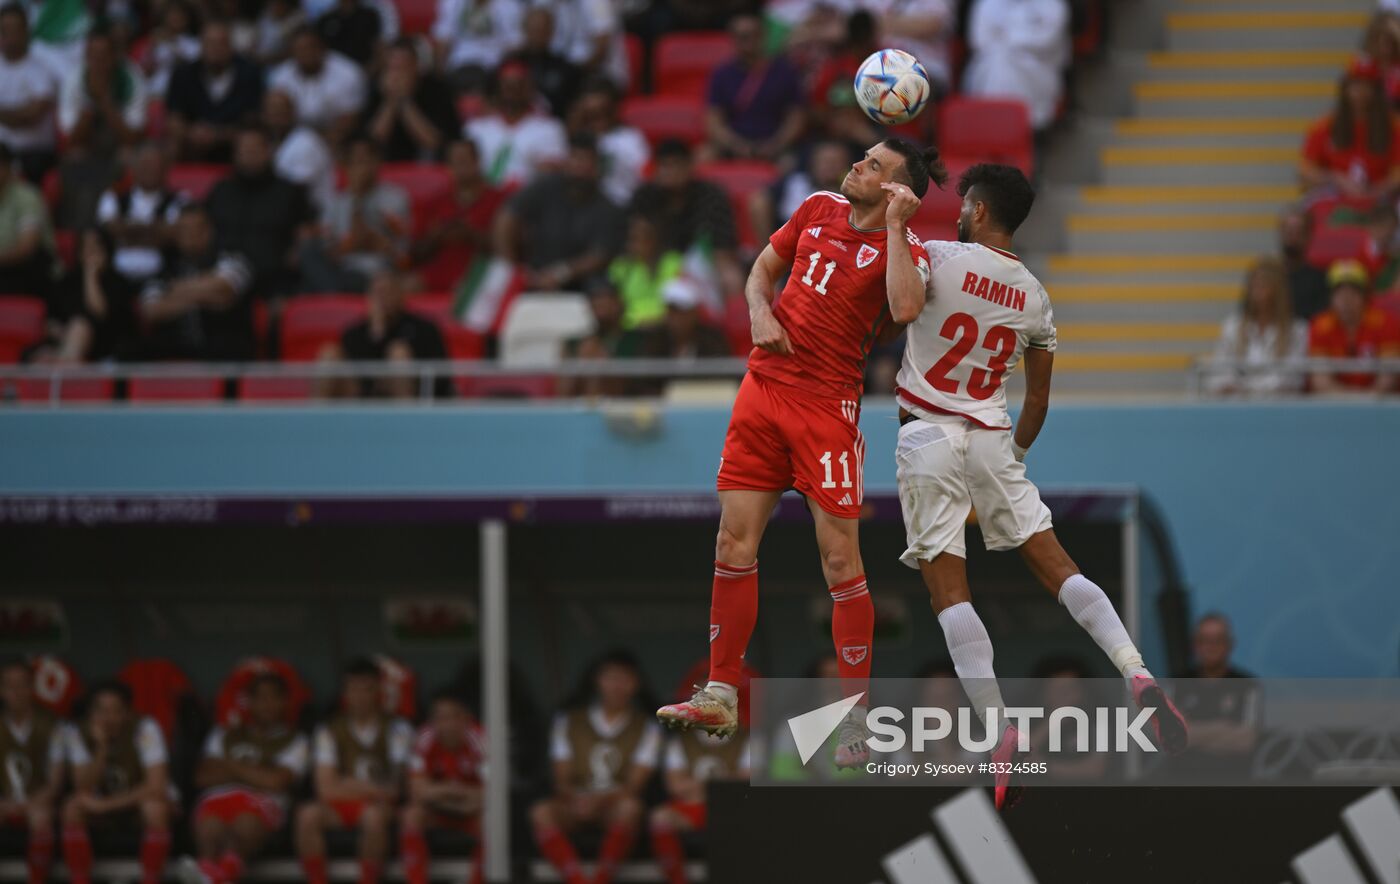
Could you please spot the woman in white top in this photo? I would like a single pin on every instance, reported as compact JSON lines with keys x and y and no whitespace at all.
{"x":1264,"y":334}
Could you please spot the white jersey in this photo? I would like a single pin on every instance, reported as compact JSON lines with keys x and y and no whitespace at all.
{"x":983,"y":309}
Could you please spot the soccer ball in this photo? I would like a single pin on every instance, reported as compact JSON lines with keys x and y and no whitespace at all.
{"x":892,"y":87}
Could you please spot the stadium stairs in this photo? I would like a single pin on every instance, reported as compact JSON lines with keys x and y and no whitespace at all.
{"x":1180,"y":150}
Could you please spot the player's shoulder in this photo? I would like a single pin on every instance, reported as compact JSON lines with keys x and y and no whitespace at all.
{"x":826,"y":202}
{"x":941,"y":251}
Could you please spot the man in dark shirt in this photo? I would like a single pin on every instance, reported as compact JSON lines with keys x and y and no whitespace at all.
{"x":388,"y":334}
{"x":755,"y":102}
{"x":353,"y":29}
{"x":259,"y":214}
{"x":410,"y":114}
{"x":1307,"y":285}
{"x":208,"y":99}
{"x":1221,"y":702}
{"x":561,"y":226}
{"x":555,"y":76}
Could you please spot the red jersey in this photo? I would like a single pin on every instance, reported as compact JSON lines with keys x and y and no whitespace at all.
{"x":444,"y":269}
{"x":835,"y":304}
{"x":1378,"y":335}
{"x":1356,"y":161}
{"x":440,"y":764}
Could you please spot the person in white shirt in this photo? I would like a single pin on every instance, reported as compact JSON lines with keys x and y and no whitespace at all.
{"x":329,"y":90}
{"x":473,"y":36}
{"x":516,"y":141}
{"x":1020,"y":50}
{"x":957,"y":450}
{"x":139,"y":217}
{"x":28,"y":96}
{"x":623,"y":149}
{"x":301,"y":156}
{"x":589,"y":34}
{"x":1264,"y":334}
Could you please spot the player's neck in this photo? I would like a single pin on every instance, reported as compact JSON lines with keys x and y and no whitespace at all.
{"x":868,"y":219}
{"x":999,"y":241}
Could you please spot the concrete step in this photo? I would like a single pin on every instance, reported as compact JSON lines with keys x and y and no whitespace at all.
{"x":1164,"y":127}
{"x":1131,"y":383}
{"x":1199,"y":166}
{"x":1267,"y":28}
{"x":1128,"y":310}
{"x":1234,"y":98}
{"x":1137,"y":337}
{"x":1270,"y":65}
{"x":1130,"y":271}
{"x":1198,"y":200}
{"x":1171,"y":233}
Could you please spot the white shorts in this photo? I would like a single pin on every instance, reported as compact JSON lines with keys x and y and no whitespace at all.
{"x":946,"y":468}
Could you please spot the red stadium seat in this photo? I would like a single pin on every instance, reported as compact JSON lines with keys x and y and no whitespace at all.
{"x":661,"y":117}
{"x":309,"y":322}
{"x":260,"y":388}
{"x":175,"y":389}
{"x":635,"y":58}
{"x":21,"y":325}
{"x":155,"y":118}
{"x":739,"y":179}
{"x":990,"y":130}
{"x":416,"y":16}
{"x":1337,"y":243}
{"x":682,"y":63}
{"x":197,"y":179}
{"x":70,"y":390}
{"x":424,"y":184}
{"x":157,"y":686}
{"x":938,"y":210}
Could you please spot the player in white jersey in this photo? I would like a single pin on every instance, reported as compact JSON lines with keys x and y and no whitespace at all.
{"x":958,"y":451}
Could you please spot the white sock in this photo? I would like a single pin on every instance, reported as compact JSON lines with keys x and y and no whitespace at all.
{"x":726,"y":692}
{"x":971,"y":650}
{"x":1092,"y":610}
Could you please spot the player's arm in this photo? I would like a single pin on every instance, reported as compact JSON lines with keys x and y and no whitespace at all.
{"x":758,"y":291}
{"x":903,"y":283}
{"x":1039,"y":366}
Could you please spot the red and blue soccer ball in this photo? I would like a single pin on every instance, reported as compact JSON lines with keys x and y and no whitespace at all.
{"x":892,"y":87}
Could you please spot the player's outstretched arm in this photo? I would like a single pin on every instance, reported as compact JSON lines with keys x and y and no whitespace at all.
{"x":1039,"y":366}
{"x":904,"y":285}
{"x":767,"y":333}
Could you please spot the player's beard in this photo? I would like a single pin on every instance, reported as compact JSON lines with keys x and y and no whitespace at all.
{"x":964,"y":235}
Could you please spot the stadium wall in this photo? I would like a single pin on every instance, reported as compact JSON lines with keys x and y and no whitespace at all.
{"x":1284,"y":515}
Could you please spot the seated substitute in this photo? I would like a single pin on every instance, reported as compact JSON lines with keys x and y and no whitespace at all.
{"x":444,"y":785}
{"x":693,"y":759}
{"x":31,"y":758}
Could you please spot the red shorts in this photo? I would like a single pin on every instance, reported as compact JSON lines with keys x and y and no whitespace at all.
{"x":348,"y":812}
{"x":780,"y":437}
{"x":231,"y":802}
{"x":694,"y":812}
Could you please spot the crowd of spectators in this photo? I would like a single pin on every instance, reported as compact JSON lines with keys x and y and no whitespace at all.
{"x":293,"y":110}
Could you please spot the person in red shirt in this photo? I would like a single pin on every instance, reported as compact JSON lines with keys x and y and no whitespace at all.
{"x":444,"y":784}
{"x":457,"y":227}
{"x":1356,"y":149}
{"x":855,"y":268}
{"x":1352,"y":327}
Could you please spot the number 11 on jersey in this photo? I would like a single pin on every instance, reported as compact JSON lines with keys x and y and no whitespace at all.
{"x":812,"y":267}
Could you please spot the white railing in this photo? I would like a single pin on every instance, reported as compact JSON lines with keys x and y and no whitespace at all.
{"x":1296,"y":369}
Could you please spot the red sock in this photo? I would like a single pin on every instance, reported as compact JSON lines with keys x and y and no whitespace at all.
{"x":230,"y":868}
{"x":369,"y":871}
{"x":617,"y":844}
{"x":852,"y":628}
{"x":666,"y":847}
{"x":413,"y":847}
{"x":315,"y":868}
{"x":733,"y":612}
{"x":40,"y":855}
{"x":77,"y":854}
{"x":560,"y":853}
{"x":155,"y":847}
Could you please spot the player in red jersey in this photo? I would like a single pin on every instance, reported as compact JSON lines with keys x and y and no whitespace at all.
{"x":444,"y":785}
{"x":855,"y":268}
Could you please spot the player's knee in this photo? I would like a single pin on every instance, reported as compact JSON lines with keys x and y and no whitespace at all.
{"x":542,"y":814}
{"x":374,"y":818}
{"x":308,"y":818}
{"x":840,"y":563}
{"x":412,"y":817}
{"x":733,"y":548}
{"x":40,"y":816}
{"x":661,"y":819}
{"x":627,"y":811}
{"x":155,"y":814}
{"x":73,"y":814}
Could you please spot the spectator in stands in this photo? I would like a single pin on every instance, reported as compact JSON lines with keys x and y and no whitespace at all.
{"x":389,"y":333}
{"x":210,"y":97}
{"x":457,"y":227}
{"x":246,"y":778}
{"x":693,"y":760}
{"x":301,"y":156}
{"x":589,"y":34}
{"x":172,"y":42}
{"x":608,"y":340}
{"x":31,"y":752}
{"x":28,"y":96}
{"x":101,"y":110}
{"x":755,"y":102}
{"x":1020,"y":49}
{"x":444,"y":784}
{"x":685,"y":333}
{"x":276,"y":26}
{"x":924,"y":29}
{"x":364,"y":230}
{"x":562,"y":227}
{"x":690,"y":213}
{"x":604,"y":749}
{"x":832,"y":97}
{"x":1220,"y":700}
{"x":1382,"y":46}
{"x":555,"y":76}
{"x":1354,"y":151}
{"x":826,"y":165}
{"x":139,"y":214}
{"x":260,"y":214}
{"x":327,"y":88}
{"x":623,"y":149}
{"x":939,"y":689}
{"x":352,"y":29}
{"x":99,"y":308}
{"x":410,"y":114}
{"x":359,"y":758}
{"x":1352,"y":328}
{"x":26,"y":234}
{"x":516,"y":141}
{"x":473,"y":36}
{"x":199,"y":307}
{"x":640,"y":273}
{"x":1263,"y":334}
{"x":1307,"y":285}
{"x":1064,"y":682}
{"x":120,"y":776}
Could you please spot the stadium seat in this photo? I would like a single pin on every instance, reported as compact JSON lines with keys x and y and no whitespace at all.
{"x":938,"y":213}
{"x":21,"y":325}
{"x":416,"y":16}
{"x":263,"y":388}
{"x":990,"y":130}
{"x":70,"y":390}
{"x":1337,"y":243}
{"x":425,"y":184}
{"x":683,"y":62}
{"x":662,"y":117}
{"x":309,"y":322}
{"x":538,"y":324}
{"x":175,"y":389}
{"x":739,"y":179}
{"x":196,"y":179}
